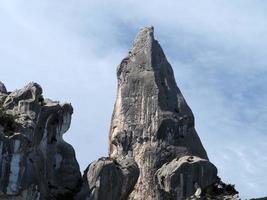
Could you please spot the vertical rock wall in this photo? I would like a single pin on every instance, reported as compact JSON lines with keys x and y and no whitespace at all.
{"x":152,"y":122}
{"x":36,"y":163}
{"x":154,"y":150}
{"x":152,"y":130}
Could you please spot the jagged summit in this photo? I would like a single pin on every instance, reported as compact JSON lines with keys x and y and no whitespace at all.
{"x":144,"y":39}
{"x":146,"y":56}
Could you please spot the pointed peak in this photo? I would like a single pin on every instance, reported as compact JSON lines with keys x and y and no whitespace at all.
{"x":145,"y":33}
{"x":144,"y":38}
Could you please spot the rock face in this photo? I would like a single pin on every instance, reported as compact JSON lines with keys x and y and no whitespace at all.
{"x":152,"y":128}
{"x":153,"y":124}
{"x":154,"y":150}
{"x":36,"y":163}
{"x":109,"y":179}
{"x":190,"y":172}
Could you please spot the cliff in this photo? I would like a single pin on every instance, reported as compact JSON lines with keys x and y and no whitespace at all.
{"x":36,"y":163}
{"x":155,"y":152}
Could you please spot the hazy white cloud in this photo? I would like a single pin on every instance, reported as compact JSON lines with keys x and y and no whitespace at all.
{"x":217,"y":49}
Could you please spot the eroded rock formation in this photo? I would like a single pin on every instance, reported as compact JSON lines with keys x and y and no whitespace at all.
{"x":152,"y":126}
{"x":154,"y":150}
{"x":36,"y":163}
{"x":151,"y":120}
{"x":182,"y":177}
{"x":111,"y":179}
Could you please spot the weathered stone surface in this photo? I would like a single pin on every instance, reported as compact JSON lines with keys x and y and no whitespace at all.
{"x":154,"y":150}
{"x":36,"y":163}
{"x":151,"y":120}
{"x":182,"y":177}
{"x":108,"y":179}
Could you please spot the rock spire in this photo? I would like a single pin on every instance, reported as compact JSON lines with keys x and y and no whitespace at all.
{"x":154,"y":150}
{"x":153,"y":124}
{"x":152,"y":130}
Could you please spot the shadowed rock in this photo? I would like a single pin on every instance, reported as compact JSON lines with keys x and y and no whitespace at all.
{"x":36,"y":162}
{"x":182,"y":177}
{"x":108,"y":179}
{"x":154,"y":150}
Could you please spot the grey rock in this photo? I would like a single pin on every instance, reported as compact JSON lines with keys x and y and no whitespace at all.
{"x":154,"y":150}
{"x":36,"y":163}
{"x":182,"y":177}
{"x":108,"y":179}
{"x":151,"y":120}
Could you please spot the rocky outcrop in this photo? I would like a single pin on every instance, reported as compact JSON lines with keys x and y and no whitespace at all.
{"x":154,"y":150}
{"x":152,"y":126}
{"x":183,"y":177}
{"x":36,"y":163}
{"x":151,"y":120}
{"x":109,"y":179}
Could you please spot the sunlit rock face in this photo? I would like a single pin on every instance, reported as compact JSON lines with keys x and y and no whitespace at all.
{"x":151,"y":120}
{"x":154,"y":150}
{"x":36,"y":163}
{"x":152,"y":128}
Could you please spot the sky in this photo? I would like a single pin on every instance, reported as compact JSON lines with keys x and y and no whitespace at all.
{"x":217,"y":49}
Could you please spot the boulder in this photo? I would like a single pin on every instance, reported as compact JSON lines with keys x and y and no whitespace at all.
{"x":185,"y":176}
{"x":109,"y":179}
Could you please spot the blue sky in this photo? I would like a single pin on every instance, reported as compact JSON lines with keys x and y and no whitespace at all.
{"x":217,"y":49}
